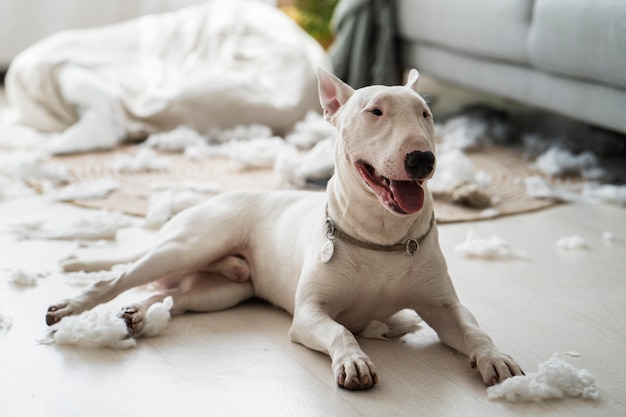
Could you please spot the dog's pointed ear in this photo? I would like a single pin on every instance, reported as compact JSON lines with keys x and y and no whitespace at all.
{"x":412,"y":80}
{"x":333,"y":92}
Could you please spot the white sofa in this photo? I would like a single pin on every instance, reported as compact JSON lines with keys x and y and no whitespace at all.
{"x":567,"y":56}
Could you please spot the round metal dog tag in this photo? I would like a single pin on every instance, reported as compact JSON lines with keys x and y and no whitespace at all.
{"x":328,"y":249}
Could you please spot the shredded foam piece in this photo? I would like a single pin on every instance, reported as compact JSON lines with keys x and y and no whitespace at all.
{"x":176,"y":140}
{"x":105,"y":329}
{"x":6,"y":323}
{"x":22,"y":278}
{"x":310,"y":131}
{"x":103,"y":225}
{"x":401,"y":323}
{"x":186,"y":185}
{"x":157,"y":317}
{"x":250,"y":154}
{"x":91,"y":329}
{"x":453,"y":169}
{"x":573,"y":242}
{"x":165,"y":204}
{"x":239,"y":133}
{"x":29,"y":168}
{"x":556,"y":378}
{"x":608,"y":237}
{"x":376,"y":330}
{"x":87,"y":190}
{"x":463,"y":133}
{"x":493,"y":248}
{"x":558,"y":162}
{"x":608,"y":193}
{"x":143,"y":160}
{"x":294,"y":167}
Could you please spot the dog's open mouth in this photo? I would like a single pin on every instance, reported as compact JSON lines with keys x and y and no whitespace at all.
{"x":403,"y":197}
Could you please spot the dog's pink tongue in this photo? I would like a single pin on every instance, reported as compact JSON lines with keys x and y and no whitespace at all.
{"x":408,"y":194}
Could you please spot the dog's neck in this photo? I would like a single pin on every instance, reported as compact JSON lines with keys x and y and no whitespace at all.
{"x":357,"y":211}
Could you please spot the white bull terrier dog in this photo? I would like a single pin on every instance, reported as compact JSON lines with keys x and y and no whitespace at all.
{"x":362,"y":251}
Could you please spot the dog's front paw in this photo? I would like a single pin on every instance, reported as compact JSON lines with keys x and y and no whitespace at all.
{"x":355,"y":371}
{"x":63,"y":309}
{"x":133,"y":316}
{"x":495,"y":366}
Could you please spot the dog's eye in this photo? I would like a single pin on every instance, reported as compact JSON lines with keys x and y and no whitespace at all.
{"x":377,"y":112}
{"x":425,"y":114}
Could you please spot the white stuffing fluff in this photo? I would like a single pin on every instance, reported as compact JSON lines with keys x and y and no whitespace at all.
{"x":493,"y":248}
{"x":556,"y":378}
{"x":376,"y":330}
{"x":98,"y":329}
{"x":465,"y":133}
{"x":251,"y":154}
{"x":573,"y":242}
{"x":143,"y":160}
{"x":608,"y":237}
{"x":6,"y":323}
{"x":165,"y":204}
{"x":176,"y":140}
{"x":186,"y":185}
{"x":22,"y":278}
{"x":310,"y":131}
{"x":401,"y":323}
{"x":157,"y":317}
{"x":87,"y":190}
{"x":294,"y":167}
{"x":35,"y":168}
{"x":614,"y":194}
{"x":91,"y":329}
{"x":453,"y":169}
{"x":240,"y":133}
{"x":103,"y":224}
{"x":557,"y":162}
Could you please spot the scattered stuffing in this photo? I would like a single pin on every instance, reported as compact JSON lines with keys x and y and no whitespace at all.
{"x":176,"y":140}
{"x":251,"y":154}
{"x":489,"y":213}
{"x":556,"y":162}
{"x":376,"y":330}
{"x":96,"y":329}
{"x":165,"y":204}
{"x":573,"y":242}
{"x":469,"y":132}
{"x":103,"y":224}
{"x":21,"y":278}
{"x":493,"y":248}
{"x":310,"y":131}
{"x":538,"y":187}
{"x":239,"y":133}
{"x":608,"y":193}
{"x":36,"y":168}
{"x":186,"y":185}
{"x":145,"y":159}
{"x":157,"y":317}
{"x":87,"y":190}
{"x":6,"y":323}
{"x":401,"y":323}
{"x":556,"y":378}
{"x":608,"y":237}
{"x":453,"y":170}
{"x":572,"y":353}
{"x":295,"y":168}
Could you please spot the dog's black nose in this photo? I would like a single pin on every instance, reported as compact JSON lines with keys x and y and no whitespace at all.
{"x":419,"y":164}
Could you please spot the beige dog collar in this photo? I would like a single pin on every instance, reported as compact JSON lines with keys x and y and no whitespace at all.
{"x":408,"y":246}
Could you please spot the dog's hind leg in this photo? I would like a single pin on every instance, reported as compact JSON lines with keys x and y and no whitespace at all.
{"x":199,"y":292}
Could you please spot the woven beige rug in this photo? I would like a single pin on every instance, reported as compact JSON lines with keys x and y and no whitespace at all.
{"x":505,"y":166}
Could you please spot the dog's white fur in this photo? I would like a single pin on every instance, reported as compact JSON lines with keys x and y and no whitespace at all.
{"x":267,"y":244}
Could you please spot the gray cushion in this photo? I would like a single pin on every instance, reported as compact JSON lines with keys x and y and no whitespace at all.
{"x":490,"y":28}
{"x":582,"y":38}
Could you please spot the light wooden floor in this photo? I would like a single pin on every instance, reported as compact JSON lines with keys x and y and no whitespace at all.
{"x":241,"y":363}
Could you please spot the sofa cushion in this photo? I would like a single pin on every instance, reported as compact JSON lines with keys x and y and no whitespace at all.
{"x":583,"y":38}
{"x":491,"y":28}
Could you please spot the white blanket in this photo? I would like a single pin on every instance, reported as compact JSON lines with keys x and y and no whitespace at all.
{"x":216,"y":64}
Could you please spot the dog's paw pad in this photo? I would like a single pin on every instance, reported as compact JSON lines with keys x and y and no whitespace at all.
{"x":133,"y":317}
{"x":56,"y":312}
